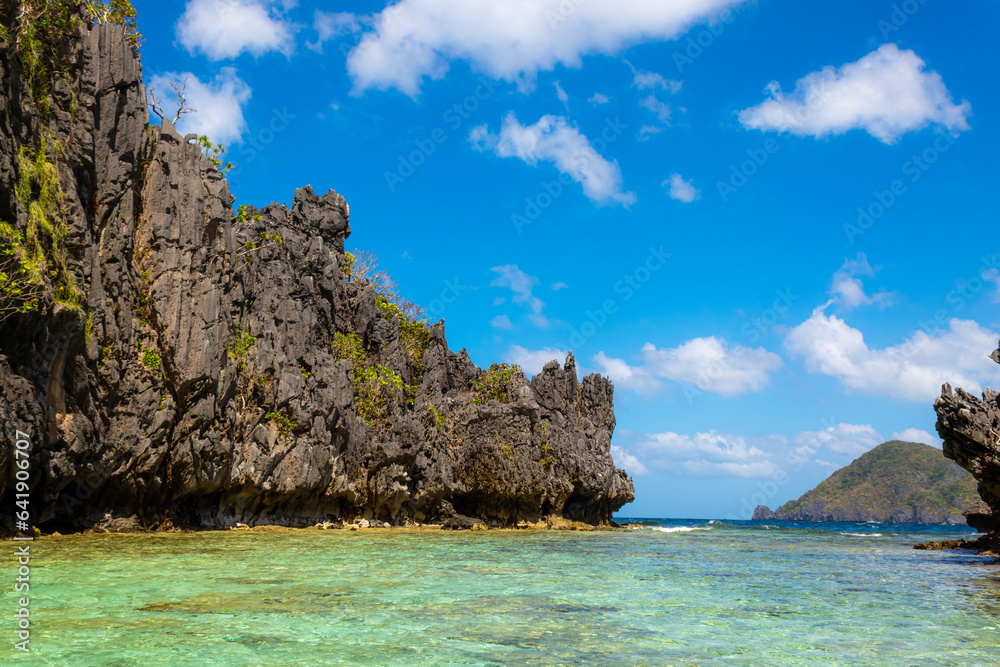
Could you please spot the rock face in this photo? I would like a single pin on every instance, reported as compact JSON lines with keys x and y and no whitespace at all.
{"x":896,"y":482}
{"x":969,"y":426}
{"x":192,"y":377}
{"x":980,"y":517}
{"x":762,"y":513}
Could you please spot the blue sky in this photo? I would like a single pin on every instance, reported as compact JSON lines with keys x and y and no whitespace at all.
{"x":769,"y":222}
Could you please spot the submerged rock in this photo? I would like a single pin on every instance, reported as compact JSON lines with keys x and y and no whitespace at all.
{"x":188,"y":371}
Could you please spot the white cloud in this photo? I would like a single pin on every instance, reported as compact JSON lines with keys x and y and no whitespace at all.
{"x":887,"y":93}
{"x":661,"y":109}
{"x":509,"y":39}
{"x":629,"y":463}
{"x":559,"y":285}
{"x":913,"y":370}
{"x":653,"y":81}
{"x":681,"y":190}
{"x":711,"y":454}
{"x":849,"y":291}
{"x":598,"y":99}
{"x":533,"y":361}
{"x":219,"y":103}
{"x":539,"y":320}
{"x":712,"y":365}
{"x":627,"y":377}
{"x":501,"y":322}
{"x":553,"y":139}
{"x":561,"y":94}
{"x":847,"y":440}
{"x":330,"y":25}
{"x":520,"y":283}
{"x":715,"y":454}
{"x":647,"y":131}
{"x":226,"y":28}
{"x":917,"y":435}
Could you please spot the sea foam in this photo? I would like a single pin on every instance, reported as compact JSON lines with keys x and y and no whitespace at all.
{"x":680,"y":529}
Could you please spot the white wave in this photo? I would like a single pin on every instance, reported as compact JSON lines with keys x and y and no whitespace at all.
{"x":863,"y":534}
{"x":680,"y":529}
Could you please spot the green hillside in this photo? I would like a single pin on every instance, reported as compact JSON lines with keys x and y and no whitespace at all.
{"x":896,"y":481}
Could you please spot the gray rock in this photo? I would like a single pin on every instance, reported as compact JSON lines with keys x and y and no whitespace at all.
{"x":142,"y":407}
{"x":968,"y":426}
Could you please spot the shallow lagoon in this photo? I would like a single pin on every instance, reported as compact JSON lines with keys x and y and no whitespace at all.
{"x":677,"y":592}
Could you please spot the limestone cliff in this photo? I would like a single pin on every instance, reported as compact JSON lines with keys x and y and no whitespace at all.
{"x":969,"y":426}
{"x":188,"y":364}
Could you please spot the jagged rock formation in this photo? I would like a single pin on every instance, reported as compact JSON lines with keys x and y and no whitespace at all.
{"x":969,"y":426}
{"x":182,"y":367}
{"x":980,"y":517}
{"x":895,"y":482}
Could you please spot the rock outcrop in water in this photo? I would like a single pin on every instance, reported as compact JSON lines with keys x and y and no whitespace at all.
{"x":901,"y":482}
{"x":186,"y":364}
{"x":969,"y":426}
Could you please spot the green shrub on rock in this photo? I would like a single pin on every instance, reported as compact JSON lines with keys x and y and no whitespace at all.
{"x":499,"y":384}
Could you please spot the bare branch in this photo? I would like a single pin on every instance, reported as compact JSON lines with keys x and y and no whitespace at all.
{"x":180,"y":93}
{"x":411,"y":310}
{"x":154,"y":103}
{"x":365,"y":269}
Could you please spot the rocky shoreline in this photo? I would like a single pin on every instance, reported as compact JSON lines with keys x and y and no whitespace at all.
{"x":119,"y":526}
{"x":987,"y":545}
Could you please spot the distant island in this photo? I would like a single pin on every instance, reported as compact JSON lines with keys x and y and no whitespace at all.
{"x":903,"y":482}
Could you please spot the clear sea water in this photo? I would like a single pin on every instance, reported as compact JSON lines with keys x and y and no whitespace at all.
{"x":677,"y":592}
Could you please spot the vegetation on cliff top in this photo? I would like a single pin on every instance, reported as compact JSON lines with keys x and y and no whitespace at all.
{"x":39,"y":253}
{"x":895,"y":475}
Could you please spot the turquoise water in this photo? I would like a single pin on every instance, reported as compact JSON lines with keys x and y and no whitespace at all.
{"x":705,"y":594}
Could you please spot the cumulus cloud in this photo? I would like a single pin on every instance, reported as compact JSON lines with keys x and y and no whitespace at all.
{"x":629,"y":463}
{"x":533,"y":361}
{"x":846,"y":440}
{"x":711,"y":454}
{"x":887,"y":93}
{"x":226,"y":28}
{"x":559,"y":285}
{"x":219,"y":103}
{"x":627,"y":377}
{"x":598,"y":99}
{"x":716,"y":454}
{"x":520,"y":283}
{"x":848,"y":289}
{"x":661,"y":109}
{"x":330,"y":25}
{"x":654,"y":81}
{"x":553,"y":139}
{"x":561,"y":94}
{"x":501,"y":322}
{"x":681,"y":190}
{"x":712,"y":365}
{"x":912,"y":371}
{"x":647,"y":131}
{"x":509,"y":39}
{"x":917,"y":435}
